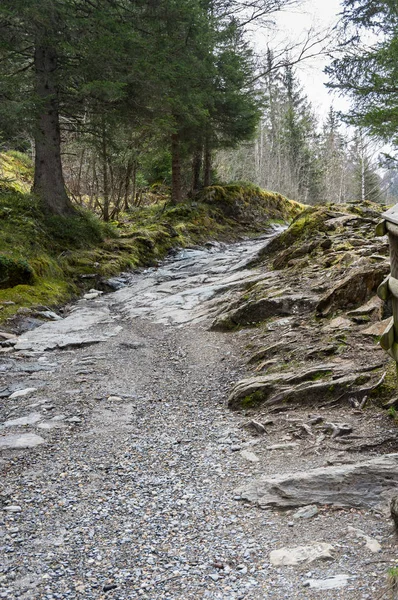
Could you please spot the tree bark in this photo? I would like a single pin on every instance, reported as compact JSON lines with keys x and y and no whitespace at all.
{"x":176,"y":192}
{"x":49,"y":181}
{"x":196,"y":169}
{"x":104,"y":151}
{"x":207,"y":164}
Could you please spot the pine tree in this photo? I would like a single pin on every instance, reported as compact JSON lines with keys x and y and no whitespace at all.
{"x":367,"y":70}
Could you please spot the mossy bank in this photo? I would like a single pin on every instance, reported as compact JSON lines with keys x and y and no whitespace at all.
{"x":47,"y":260}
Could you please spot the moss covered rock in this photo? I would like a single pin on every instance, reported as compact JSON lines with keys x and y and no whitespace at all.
{"x":14,"y":272}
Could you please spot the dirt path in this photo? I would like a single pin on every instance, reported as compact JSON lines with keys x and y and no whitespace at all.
{"x":133,"y":492}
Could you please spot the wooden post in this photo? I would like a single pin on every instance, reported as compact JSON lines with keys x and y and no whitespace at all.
{"x":389,"y":287}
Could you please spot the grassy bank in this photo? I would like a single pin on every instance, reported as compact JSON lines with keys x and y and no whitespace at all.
{"x":45,"y":260}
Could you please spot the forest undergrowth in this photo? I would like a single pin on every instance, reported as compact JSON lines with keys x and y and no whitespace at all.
{"x":47,"y":260}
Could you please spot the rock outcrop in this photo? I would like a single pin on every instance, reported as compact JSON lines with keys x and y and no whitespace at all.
{"x":318,"y":303}
{"x":365,"y":484}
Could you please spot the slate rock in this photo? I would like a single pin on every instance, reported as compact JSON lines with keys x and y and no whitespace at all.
{"x":250,"y":456}
{"x":301,"y":554}
{"x":363,"y":484}
{"x":255,"y":311}
{"x":22,"y":393}
{"x":29,"y":419}
{"x":330,"y":583}
{"x":307,"y":512}
{"x":27,"y":440}
{"x":371,"y":543}
{"x":280,"y":387}
{"x":353,"y":289}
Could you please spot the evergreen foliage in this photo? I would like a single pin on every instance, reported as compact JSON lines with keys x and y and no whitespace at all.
{"x":116,"y":79}
{"x":367,"y":68}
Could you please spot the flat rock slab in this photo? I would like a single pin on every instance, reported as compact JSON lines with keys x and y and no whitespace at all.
{"x":29,"y":419}
{"x":371,"y":543}
{"x":301,"y":554}
{"x":85,"y":325}
{"x":22,"y":393}
{"x":27,"y":440}
{"x":363,"y":484}
{"x":330,"y":583}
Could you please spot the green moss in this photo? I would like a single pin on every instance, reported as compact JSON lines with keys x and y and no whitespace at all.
{"x":388,"y":389}
{"x":243,"y":201}
{"x":252,"y":400}
{"x":14,"y":272}
{"x":16,"y":172}
{"x":321,"y":375}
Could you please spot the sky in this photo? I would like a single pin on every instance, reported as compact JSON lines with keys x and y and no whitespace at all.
{"x":293,"y":25}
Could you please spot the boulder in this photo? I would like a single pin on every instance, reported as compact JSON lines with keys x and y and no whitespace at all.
{"x":353,"y":290}
{"x":360,"y":485}
{"x":255,"y":311}
{"x":292,"y":387}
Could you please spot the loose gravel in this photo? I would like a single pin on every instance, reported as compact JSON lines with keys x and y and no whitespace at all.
{"x":133,"y":493}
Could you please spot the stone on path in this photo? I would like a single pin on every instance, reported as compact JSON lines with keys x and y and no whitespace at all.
{"x":250,"y":456}
{"x":287,"y":446}
{"x":84,"y":326}
{"x":354,"y":289}
{"x":29,"y":419}
{"x":13,"y":508}
{"x":331,"y":583}
{"x":22,"y":393}
{"x":301,"y":554}
{"x":363,"y":484}
{"x":26,"y":440}
{"x":371,"y":543}
{"x":306,"y":512}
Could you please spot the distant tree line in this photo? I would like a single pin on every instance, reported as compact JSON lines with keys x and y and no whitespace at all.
{"x":302,"y":158}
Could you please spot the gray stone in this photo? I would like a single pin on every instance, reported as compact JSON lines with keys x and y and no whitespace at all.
{"x":354,"y":289}
{"x":371,"y":543}
{"x":307,"y":512}
{"x":363,"y":484}
{"x":255,"y":311}
{"x":287,"y":446}
{"x":250,"y":456}
{"x":330,"y":583}
{"x":49,"y":314}
{"x":301,"y":554}
{"x":27,"y":440}
{"x":29,"y":419}
{"x":22,"y":393}
{"x":85,"y":325}
{"x":290,"y":386}
{"x":13,"y":508}
{"x":394,"y":510}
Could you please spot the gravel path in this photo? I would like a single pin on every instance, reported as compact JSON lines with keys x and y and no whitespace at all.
{"x":132,"y":493}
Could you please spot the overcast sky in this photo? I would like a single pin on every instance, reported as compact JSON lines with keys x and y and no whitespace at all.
{"x":292,"y":25}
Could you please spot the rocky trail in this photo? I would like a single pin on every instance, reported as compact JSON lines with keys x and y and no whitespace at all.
{"x":126,"y":475}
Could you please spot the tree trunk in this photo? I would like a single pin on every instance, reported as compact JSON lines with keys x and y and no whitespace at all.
{"x":207,"y":164}
{"x":105,"y":210}
{"x":131,"y":184}
{"x":196,"y":169}
{"x":49,"y":181}
{"x":176,"y":192}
